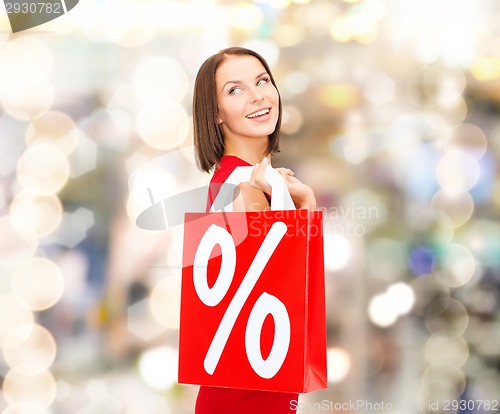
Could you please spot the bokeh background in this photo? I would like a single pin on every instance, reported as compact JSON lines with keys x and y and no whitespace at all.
{"x":391,"y":114}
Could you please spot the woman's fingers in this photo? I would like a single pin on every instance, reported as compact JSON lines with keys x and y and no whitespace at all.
{"x":258,"y":177}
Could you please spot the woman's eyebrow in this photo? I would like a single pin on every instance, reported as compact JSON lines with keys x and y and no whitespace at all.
{"x":238,"y":81}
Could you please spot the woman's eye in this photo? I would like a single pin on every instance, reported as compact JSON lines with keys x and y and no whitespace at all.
{"x":234,"y":91}
{"x":262,"y":81}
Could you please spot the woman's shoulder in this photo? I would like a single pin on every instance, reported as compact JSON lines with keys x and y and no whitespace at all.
{"x":226,"y":166}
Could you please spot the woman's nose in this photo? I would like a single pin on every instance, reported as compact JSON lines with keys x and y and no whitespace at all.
{"x":255,"y":95}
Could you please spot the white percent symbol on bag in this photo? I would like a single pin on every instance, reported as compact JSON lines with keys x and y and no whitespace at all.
{"x":266,"y":304}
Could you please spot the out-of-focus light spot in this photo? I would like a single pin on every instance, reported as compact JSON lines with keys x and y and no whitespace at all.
{"x":24,"y":58}
{"x":15,"y":249}
{"x":160,"y":77}
{"x":101,"y":400}
{"x":152,"y":404}
{"x":441,"y":383}
{"x":35,"y":216}
{"x":296,"y":82}
{"x":158,"y":367}
{"x":165,"y":302}
{"x":39,"y":282}
{"x":84,"y":157}
{"x":487,"y":344}
{"x":339,"y":96}
{"x":431,"y":227}
{"x":292,"y":119}
{"x":457,"y":206}
{"x":28,"y":99}
{"x":444,"y":85}
{"x":268,"y":50}
{"x":29,"y":345}
{"x":428,"y":289}
{"x":288,"y":35}
{"x":385,"y":259}
{"x":246,"y":16}
{"x":12,"y":313}
{"x":163,"y":125}
{"x":338,"y":364}
{"x":279,"y":4}
{"x":74,"y":227}
{"x":317,"y":16}
{"x":444,"y":349}
{"x":56,"y":128}
{"x":455,"y":265}
{"x":43,"y":169}
{"x":385,"y":308}
{"x":338,"y":251}
{"x":380,"y":89}
{"x":141,"y":322}
{"x":420,"y":260}
{"x":301,"y":1}
{"x":447,"y":316}
{"x":38,"y":387}
{"x":469,"y":138}
{"x":457,"y":171}
{"x":486,"y":69}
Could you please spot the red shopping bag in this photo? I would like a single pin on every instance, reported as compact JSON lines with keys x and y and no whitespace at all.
{"x":253,"y":298}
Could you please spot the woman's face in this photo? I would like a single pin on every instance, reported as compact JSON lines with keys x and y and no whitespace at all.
{"x":247,"y":100}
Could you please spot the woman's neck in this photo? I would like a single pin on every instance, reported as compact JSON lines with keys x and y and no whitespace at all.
{"x":252,"y":150}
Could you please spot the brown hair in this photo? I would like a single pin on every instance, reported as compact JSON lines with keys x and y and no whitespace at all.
{"x":208,"y":137}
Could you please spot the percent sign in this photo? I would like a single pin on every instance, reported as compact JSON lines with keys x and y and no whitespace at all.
{"x":266,"y":304}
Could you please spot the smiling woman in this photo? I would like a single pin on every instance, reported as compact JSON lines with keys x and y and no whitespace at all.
{"x":237,"y":119}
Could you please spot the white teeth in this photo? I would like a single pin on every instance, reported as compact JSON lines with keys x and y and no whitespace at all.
{"x":259,"y":113}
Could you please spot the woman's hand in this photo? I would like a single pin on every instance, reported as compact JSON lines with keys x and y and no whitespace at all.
{"x":302,"y":195}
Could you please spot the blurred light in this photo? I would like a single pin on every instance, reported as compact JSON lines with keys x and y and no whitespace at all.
{"x":448,"y":316}
{"x":339,"y":96}
{"x":24,"y":58}
{"x":468,"y":138}
{"x":338,"y":251}
{"x":246,"y":16}
{"x":428,"y":289}
{"x":43,"y":169}
{"x":444,"y":85}
{"x":163,"y":125}
{"x":287,"y":35}
{"x":152,"y":404}
{"x":301,"y":1}
{"x":420,"y":260}
{"x":279,"y":4}
{"x":27,"y":99}
{"x":74,"y":227}
{"x":457,"y":206}
{"x":487,"y":344}
{"x":158,"y":367}
{"x":457,"y":171}
{"x":165,"y":302}
{"x":385,"y":259}
{"x":15,"y":249}
{"x":160,"y":77}
{"x":84,"y":157}
{"x":444,"y":349}
{"x":39,"y":283}
{"x":267,"y":49}
{"x":29,"y":346}
{"x":455,"y":265}
{"x":141,"y":322}
{"x":35,"y":216}
{"x":486,"y":69}
{"x":55,"y":128}
{"x":338,"y":364}
{"x":13,"y":312}
{"x":296,"y":82}
{"x":441,"y":383}
{"x":385,"y":308}
{"x":380,"y":89}
{"x":38,"y":387}
{"x":292,"y":119}
{"x":431,"y":228}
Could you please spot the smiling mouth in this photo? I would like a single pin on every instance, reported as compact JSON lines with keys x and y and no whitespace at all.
{"x":259,"y":113}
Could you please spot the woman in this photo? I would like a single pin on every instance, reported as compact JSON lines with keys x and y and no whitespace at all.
{"x":237,"y":119}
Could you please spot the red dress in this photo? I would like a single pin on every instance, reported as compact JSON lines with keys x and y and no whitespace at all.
{"x":218,"y":400}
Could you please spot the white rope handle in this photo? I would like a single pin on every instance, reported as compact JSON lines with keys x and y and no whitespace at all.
{"x":280,"y":200}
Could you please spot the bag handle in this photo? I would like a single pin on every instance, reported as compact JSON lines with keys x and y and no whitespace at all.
{"x":280,"y":200}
